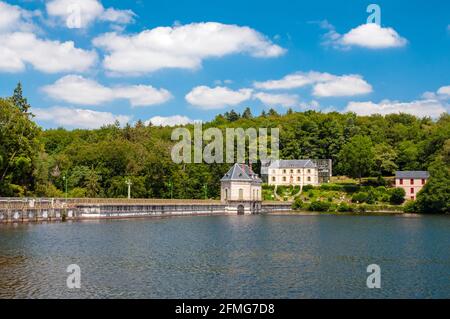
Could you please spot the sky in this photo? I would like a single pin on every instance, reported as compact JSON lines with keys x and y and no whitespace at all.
{"x":87,"y":63}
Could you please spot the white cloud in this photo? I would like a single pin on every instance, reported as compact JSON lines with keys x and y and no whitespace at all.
{"x":347,"y":85}
{"x":445,"y":90}
{"x":420,"y":108}
{"x":19,"y":48}
{"x":181,"y":46}
{"x":90,"y":10}
{"x":295,"y":80}
{"x":369,"y":35}
{"x":14,"y":18}
{"x":324,"y":84}
{"x":169,"y":120}
{"x":285,"y":100}
{"x":217,"y":98}
{"x":79,"y":90}
{"x":77,"y":118}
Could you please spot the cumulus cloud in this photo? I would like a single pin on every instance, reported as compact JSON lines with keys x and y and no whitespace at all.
{"x":20,"y":48}
{"x":79,"y":90}
{"x":421,"y":108}
{"x":324,"y":84}
{"x":369,"y":35}
{"x":89,"y":10}
{"x":347,"y":85}
{"x":180,"y":46}
{"x":169,"y":120}
{"x":14,"y":18}
{"x":77,"y":118}
{"x":285,"y":100}
{"x":445,"y":91}
{"x":217,"y":98}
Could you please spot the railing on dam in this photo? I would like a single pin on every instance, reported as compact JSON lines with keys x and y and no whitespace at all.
{"x":55,"y":209}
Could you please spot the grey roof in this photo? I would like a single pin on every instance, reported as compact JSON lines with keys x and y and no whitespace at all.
{"x":412,"y":174}
{"x":292,"y":164}
{"x":241,"y":172}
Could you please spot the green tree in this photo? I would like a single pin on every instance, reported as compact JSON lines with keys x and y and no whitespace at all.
{"x":356,"y":157}
{"x":18,"y":100}
{"x":92,"y":184}
{"x":247,"y":114}
{"x":397,"y":196}
{"x":385,"y":157}
{"x":434,"y":198}
{"x":19,"y":147}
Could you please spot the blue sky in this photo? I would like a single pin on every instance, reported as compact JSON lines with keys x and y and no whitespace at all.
{"x":174,"y":62}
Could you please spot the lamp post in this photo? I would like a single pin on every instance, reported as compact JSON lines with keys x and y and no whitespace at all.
{"x":205,"y":189}
{"x":65,"y":184}
{"x":129,"y":183}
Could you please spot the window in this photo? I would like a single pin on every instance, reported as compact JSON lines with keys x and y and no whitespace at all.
{"x":284,"y":171}
{"x":298,"y":171}
{"x":309,"y":171}
{"x":273,"y":179}
{"x":226,"y":193}
{"x":412,"y":197}
{"x":411,"y":181}
{"x":284,"y":178}
{"x":241,"y":194}
{"x":423,"y":181}
{"x":401,"y":181}
{"x":309,"y":179}
{"x":292,"y":171}
{"x":412,"y":190}
{"x":298,"y":179}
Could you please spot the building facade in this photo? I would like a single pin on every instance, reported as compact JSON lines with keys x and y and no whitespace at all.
{"x":293,"y":172}
{"x":240,"y":188}
{"x":411,"y":181}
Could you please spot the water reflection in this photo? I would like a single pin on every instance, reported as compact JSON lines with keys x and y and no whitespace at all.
{"x":228,"y":257}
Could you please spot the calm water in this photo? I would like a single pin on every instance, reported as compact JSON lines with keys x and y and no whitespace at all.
{"x":229,"y":257}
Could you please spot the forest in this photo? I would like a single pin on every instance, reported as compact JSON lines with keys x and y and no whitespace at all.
{"x":97,"y":163}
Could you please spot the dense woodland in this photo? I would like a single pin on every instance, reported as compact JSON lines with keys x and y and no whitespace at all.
{"x":96,"y":163}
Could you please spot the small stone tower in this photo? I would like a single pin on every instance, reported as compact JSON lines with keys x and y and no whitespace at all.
{"x":241,"y":190}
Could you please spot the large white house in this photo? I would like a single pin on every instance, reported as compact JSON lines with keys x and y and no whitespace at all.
{"x":293,"y":172}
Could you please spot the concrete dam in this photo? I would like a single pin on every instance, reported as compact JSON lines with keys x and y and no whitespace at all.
{"x":16,"y":210}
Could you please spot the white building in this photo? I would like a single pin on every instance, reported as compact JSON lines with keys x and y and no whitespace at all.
{"x":293,"y":172}
{"x":241,"y":189}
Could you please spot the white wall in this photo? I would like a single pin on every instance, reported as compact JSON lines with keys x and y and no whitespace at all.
{"x":293,"y":176}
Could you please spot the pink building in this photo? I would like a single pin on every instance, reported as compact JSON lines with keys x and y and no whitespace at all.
{"x":411,"y":181}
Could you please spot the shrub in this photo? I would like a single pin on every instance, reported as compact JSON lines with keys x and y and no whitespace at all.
{"x":307,"y":188}
{"x":397,"y":196}
{"x":410,"y":207}
{"x":360,"y":197}
{"x":319,"y":206}
{"x":297,"y":204}
{"x":344,"y":207}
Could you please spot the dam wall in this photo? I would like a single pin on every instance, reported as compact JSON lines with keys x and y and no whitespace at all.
{"x":17,"y":210}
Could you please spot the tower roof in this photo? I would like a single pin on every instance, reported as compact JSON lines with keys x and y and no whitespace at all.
{"x":241,"y":172}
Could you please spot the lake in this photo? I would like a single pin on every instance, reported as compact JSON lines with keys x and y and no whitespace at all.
{"x":323,"y":256}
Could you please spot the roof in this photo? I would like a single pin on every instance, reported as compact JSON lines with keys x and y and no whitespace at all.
{"x":412,"y":174}
{"x":241,"y":172}
{"x":292,"y":164}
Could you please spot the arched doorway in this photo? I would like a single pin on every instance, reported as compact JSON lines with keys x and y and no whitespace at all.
{"x":241,"y":210}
